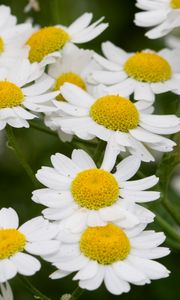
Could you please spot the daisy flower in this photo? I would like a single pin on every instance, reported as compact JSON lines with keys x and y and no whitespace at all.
{"x":6,"y":292}
{"x":145,"y":73}
{"x":12,"y":37}
{"x":74,"y":67}
{"x":113,"y":116}
{"x":16,"y":98}
{"x":35,"y":237}
{"x":113,"y":254}
{"x":163,"y":14}
{"x":46,"y":43}
{"x":81,"y":194}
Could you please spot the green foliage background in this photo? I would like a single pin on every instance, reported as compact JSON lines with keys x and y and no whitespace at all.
{"x":15,"y":186}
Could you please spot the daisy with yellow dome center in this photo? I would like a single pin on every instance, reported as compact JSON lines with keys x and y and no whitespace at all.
{"x":164,"y":16}
{"x":46,"y":43}
{"x":114,"y":254}
{"x":79,"y":194}
{"x":12,"y":38}
{"x":143,"y":74}
{"x":16,"y":98}
{"x":35,"y":237}
{"x":73,"y":67}
{"x":112,"y":116}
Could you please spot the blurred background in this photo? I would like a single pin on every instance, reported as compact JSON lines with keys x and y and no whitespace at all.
{"x":15,"y":186}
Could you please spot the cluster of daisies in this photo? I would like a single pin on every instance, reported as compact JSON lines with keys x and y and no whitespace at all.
{"x":93,"y":224}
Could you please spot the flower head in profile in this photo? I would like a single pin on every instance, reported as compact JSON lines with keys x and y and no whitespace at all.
{"x":6,"y":292}
{"x":19,"y":94}
{"x":79,"y":193}
{"x":46,"y":43}
{"x":113,"y":254}
{"x":36,"y":237}
{"x":163,"y":15}
{"x":112,"y":116}
{"x":144,"y":74}
{"x":12,"y":37}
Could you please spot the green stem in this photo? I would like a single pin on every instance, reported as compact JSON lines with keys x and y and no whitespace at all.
{"x":173,"y":244}
{"x":43,"y":129}
{"x":77,"y":293}
{"x":13,"y":143}
{"x":33,"y":290}
{"x":170,"y":208}
{"x":99,"y":152}
{"x":167,"y":228}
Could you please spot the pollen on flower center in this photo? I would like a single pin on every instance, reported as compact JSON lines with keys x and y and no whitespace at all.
{"x":175,"y":4}
{"x":95,"y":189}
{"x":10,"y":94}
{"x":71,"y":78}
{"x":45,"y":41}
{"x":11,"y":242}
{"x":106,"y":244}
{"x":115,"y":113}
{"x":1,"y":45}
{"x":148,"y":67}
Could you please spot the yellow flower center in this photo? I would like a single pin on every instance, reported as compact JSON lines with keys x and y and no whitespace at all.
{"x":10,"y":95}
{"x":106,"y":244}
{"x":148,"y":67}
{"x":95,"y":189}
{"x":1,"y":45}
{"x":11,"y":242}
{"x":175,"y":4}
{"x":71,"y":78}
{"x":46,"y":41}
{"x":115,"y":113}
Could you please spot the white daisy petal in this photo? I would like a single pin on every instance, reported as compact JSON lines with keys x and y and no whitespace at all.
{"x":64,"y":165}
{"x":74,"y":264}
{"x":140,"y":196}
{"x":113,"y":53}
{"x":141,"y":184}
{"x":127,"y":272}
{"x":106,"y":63}
{"x":54,"y":214}
{"x":95,"y":282}
{"x":7,"y":270}
{"x":8,"y":218}
{"x":113,"y":283}
{"x":82,"y":159}
{"x":153,"y":253}
{"x":110,"y":155}
{"x":80,"y":23}
{"x":108,"y":77}
{"x":26,"y":264}
{"x":76,"y":95}
{"x":160,"y":120}
{"x":143,"y":91}
{"x":59,"y":274}
{"x":52,"y":199}
{"x":127,"y":168}
{"x":150,"y":240}
{"x":42,"y":247}
{"x":41,"y":86}
{"x":152,"y":269}
{"x":88,"y":272}
{"x":94,"y":219}
{"x":145,"y":136}
{"x":50,"y":178}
